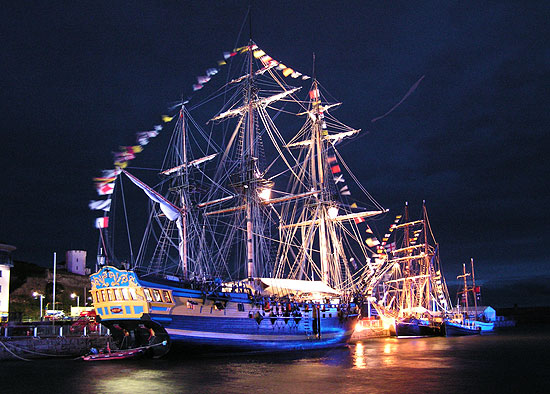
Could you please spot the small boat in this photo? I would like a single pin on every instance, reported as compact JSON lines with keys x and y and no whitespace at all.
{"x":411,"y":327}
{"x":116,"y":355}
{"x":457,"y":329}
{"x":463,"y":298}
{"x":484,"y":326}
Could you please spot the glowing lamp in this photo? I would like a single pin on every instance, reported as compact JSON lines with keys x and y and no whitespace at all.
{"x":264,"y":194}
{"x":332,"y":212}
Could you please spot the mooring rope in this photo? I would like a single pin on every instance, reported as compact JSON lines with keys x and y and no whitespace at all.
{"x":35,"y":352}
{"x":13,"y":354}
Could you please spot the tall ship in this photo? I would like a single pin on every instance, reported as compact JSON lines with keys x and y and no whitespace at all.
{"x":409,"y":290}
{"x":251,"y":242}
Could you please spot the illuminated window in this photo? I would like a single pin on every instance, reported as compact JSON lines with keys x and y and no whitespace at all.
{"x":157,"y":296}
{"x":190,"y":305}
{"x":116,"y":295}
{"x":125,"y":294}
{"x":109,"y":295}
{"x":148,"y":294}
{"x":133,"y":293}
{"x":166,"y":295}
{"x":103,"y":295}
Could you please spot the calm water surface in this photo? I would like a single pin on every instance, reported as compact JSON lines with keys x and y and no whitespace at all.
{"x":511,"y":361}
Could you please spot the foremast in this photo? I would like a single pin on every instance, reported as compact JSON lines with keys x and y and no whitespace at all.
{"x":183,"y":196}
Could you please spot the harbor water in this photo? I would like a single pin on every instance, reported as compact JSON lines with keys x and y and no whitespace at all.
{"x":509,"y":361}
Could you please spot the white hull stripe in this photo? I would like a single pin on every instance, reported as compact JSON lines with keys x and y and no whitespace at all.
{"x":249,"y":337}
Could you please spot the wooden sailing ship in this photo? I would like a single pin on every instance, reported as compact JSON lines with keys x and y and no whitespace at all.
{"x":409,"y":291}
{"x":235,"y":257}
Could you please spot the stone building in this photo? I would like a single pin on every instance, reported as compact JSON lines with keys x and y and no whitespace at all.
{"x":76,"y":261}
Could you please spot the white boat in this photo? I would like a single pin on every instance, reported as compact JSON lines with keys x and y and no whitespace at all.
{"x":468,"y":296}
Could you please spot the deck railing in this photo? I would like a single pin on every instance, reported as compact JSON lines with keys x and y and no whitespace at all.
{"x":52,"y":330}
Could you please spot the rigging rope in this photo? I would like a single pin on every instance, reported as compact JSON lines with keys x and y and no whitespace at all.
{"x":12,"y":353}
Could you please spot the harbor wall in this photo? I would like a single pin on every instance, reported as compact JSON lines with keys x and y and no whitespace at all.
{"x":36,"y":347}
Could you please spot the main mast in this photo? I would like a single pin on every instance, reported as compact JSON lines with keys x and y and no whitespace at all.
{"x":249,"y":184}
{"x":408,"y":284}
{"x":474,"y":294}
{"x":465,"y":291}
{"x":427,"y":266}
{"x":182,"y":221}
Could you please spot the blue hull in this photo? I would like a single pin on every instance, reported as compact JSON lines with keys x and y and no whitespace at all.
{"x":417,"y":329}
{"x":458,"y":330}
{"x":268,"y":333}
{"x":212,"y":319}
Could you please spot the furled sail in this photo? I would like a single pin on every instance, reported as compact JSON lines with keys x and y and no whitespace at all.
{"x":170,"y":210}
{"x":339,"y":218}
{"x":333,"y":138}
{"x":192,"y":163}
{"x":264,"y":102}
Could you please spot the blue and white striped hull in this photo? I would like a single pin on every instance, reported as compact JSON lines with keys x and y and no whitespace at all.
{"x":214,"y":319}
{"x":245,"y":334}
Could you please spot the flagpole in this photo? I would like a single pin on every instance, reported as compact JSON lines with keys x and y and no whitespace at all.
{"x":54,"y":273}
{"x":474,"y":287}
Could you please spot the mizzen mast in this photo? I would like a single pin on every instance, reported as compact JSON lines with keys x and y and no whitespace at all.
{"x":318,"y":178}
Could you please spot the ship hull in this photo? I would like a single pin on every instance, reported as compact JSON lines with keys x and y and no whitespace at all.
{"x":217,"y":320}
{"x":484,"y":326}
{"x":453,"y":329}
{"x":271,"y":334}
{"x":415,"y":328}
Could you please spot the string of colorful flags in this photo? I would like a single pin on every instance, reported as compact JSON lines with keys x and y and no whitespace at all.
{"x":269,"y":62}
{"x":386,"y":247}
{"x":337,"y":175}
{"x":105,"y":184}
{"x":331,"y":158}
{"x":383,"y":247}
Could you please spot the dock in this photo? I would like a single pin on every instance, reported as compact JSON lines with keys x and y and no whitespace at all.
{"x":34,"y":341}
{"x":368,"y":329}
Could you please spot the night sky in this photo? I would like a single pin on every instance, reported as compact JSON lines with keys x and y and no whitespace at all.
{"x":80,"y":79}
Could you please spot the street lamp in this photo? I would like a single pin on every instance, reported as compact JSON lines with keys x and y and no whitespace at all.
{"x":41,"y":296}
{"x":73,"y":296}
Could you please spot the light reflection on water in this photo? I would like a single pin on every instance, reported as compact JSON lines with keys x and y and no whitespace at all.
{"x":495,"y":363}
